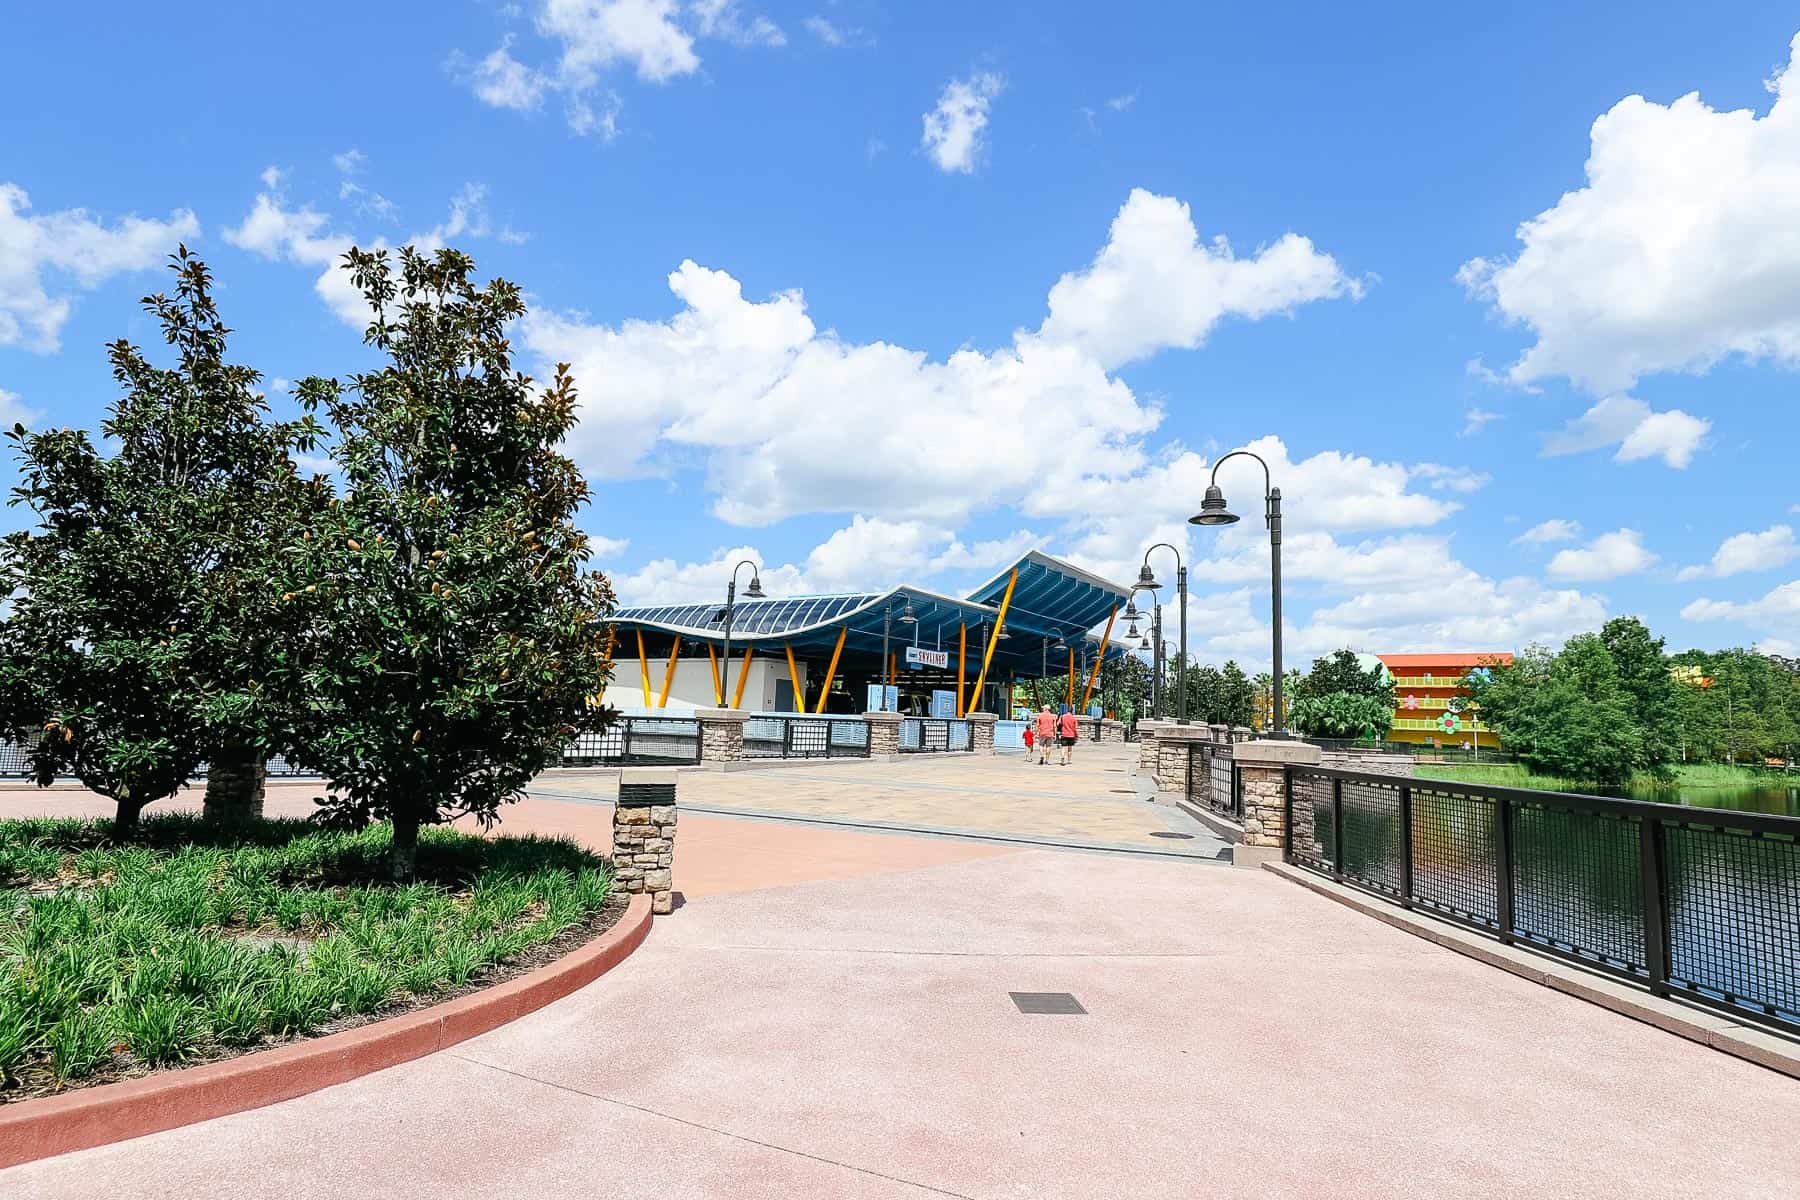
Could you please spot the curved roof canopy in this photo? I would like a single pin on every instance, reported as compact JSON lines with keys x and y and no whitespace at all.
{"x":1052,"y":600}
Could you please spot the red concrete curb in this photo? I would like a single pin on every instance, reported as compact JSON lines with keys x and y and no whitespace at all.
{"x":113,"y":1112}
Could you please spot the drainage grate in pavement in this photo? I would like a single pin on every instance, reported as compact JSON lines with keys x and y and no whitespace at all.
{"x":1054,"y":1003}
{"x":1124,"y":791}
{"x":1182,"y":837}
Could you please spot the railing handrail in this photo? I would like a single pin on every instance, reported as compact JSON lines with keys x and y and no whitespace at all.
{"x":1681,"y":814}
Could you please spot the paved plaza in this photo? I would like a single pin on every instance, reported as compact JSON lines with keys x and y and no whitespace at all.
{"x":829,"y":1014}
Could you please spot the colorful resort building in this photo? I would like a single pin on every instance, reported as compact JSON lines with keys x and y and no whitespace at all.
{"x":943,"y":656}
{"x":1425,"y":685}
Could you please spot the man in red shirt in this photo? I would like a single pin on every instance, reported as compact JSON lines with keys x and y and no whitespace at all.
{"x":1046,"y":733}
{"x":1068,"y":728}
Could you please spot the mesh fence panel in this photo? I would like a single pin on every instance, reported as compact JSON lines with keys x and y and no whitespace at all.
{"x":1576,"y":885}
{"x":1311,"y":833}
{"x":1372,"y":835}
{"x":1734,"y":915}
{"x":1456,"y":853}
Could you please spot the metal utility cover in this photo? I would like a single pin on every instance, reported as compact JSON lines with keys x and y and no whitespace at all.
{"x":1055,"y":1003}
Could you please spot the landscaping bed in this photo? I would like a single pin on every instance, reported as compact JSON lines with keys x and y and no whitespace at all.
{"x":187,"y":944}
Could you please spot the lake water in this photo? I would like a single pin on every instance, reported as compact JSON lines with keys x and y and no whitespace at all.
{"x":1783,"y":801}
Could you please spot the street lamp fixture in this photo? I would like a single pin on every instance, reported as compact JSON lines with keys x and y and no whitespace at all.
{"x":1213,"y":511}
{"x":753,"y":592}
{"x":1147,"y":581}
{"x":907,"y":617}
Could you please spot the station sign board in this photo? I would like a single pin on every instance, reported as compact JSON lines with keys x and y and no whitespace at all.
{"x":917,"y":657}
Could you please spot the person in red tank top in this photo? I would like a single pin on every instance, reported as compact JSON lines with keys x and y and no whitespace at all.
{"x":1068,"y":730}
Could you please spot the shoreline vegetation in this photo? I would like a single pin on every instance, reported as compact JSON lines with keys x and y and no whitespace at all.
{"x":1683,"y":776}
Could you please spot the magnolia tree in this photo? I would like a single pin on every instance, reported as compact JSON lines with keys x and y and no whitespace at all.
{"x":441,"y":619}
{"x":137,"y":626}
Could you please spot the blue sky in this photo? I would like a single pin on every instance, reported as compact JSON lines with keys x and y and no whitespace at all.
{"x":892,"y":291}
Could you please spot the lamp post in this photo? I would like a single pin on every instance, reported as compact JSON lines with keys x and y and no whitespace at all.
{"x":907,"y":617}
{"x":1214,"y":512}
{"x":1154,"y":644}
{"x":1147,"y":581}
{"x":753,"y":592}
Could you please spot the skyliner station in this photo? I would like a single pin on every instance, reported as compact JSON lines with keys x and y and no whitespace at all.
{"x":824,"y":654}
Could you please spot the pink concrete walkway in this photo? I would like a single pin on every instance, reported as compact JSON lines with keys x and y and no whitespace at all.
{"x":852,"y":1036}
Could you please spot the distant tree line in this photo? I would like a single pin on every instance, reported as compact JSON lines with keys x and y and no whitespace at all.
{"x":1611,"y":704}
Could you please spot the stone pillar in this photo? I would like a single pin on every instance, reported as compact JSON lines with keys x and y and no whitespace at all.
{"x":884,"y":734}
{"x":643,"y":849}
{"x":1220,"y":733}
{"x":1241,"y":733}
{"x":1112,"y":731}
{"x":1374,"y":762}
{"x":981,"y":732}
{"x":234,"y":784}
{"x":1172,"y":742}
{"x":1262,"y":766}
{"x":721,"y":734}
{"x":1147,"y":731}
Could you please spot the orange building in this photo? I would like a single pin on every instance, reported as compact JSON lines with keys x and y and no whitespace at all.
{"x":1425,"y":685}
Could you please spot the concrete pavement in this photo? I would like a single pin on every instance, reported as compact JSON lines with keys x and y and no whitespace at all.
{"x":849,"y":1033}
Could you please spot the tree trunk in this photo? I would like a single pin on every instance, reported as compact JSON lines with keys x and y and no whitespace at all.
{"x":234,"y":785}
{"x":406,"y":847}
{"x":125,"y":816}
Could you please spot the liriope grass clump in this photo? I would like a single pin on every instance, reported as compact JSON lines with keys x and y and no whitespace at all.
{"x":188,"y":941}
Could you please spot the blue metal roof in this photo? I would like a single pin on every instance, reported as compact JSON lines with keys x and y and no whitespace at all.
{"x":1052,"y":598}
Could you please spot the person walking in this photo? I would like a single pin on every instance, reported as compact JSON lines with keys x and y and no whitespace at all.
{"x":1068,"y":729}
{"x":1046,"y":733}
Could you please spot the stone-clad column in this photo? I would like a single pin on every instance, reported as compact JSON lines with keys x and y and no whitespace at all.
{"x":643,"y":849}
{"x":1173,"y":742}
{"x":884,"y":734}
{"x":721,"y":734}
{"x":1111,"y":730}
{"x":981,"y":732}
{"x":1147,"y":730}
{"x":1262,"y":766}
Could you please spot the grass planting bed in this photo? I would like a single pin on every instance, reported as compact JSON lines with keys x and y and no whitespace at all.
{"x":187,"y":944}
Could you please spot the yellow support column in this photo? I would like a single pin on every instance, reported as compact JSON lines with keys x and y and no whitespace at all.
{"x":644,"y":668}
{"x":994,"y":637}
{"x":962,"y":652}
{"x":662,"y":701}
{"x":737,"y":693}
{"x":712,"y":660}
{"x":1098,"y":659}
{"x":794,"y":677}
{"x":830,"y":671}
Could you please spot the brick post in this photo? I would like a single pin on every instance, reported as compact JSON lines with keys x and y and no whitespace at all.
{"x":884,"y":734}
{"x":1263,"y":768}
{"x":643,"y":849}
{"x":1112,"y":731}
{"x":721,"y":734}
{"x":1220,"y":733}
{"x":981,"y":732}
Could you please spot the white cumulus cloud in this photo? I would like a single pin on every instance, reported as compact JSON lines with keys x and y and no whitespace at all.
{"x":1638,"y":431}
{"x":1775,"y":615}
{"x":954,"y":129}
{"x":789,"y":418}
{"x":1742,"y":552}
{"x":587,"y":41}
{"x":46,"y":257}
{"x":1608,"y":556}
{"x":1156,"y":285}
{"x":1679,"y":250}
{"x":1556,"y":529}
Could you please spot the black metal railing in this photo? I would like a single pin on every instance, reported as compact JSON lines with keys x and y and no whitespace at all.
{"x":15,"y":763}
{"x":1449,"y":752}
{"x":934,"y":735}
{"x":1213,"y":780}
{"x":806,"y":737}
{"x":637,"y":742}
{"x":1697,"y":903}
